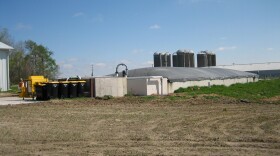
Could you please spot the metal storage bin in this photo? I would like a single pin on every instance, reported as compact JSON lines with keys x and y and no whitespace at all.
{"x":52,"y":88}
{"x":41,"y":92}
{"x":73,"y":87}
{"x":81,"y":88}
{"x":63,"y":89}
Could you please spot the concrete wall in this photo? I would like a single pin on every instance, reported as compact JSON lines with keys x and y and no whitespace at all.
{"x":137,"y":86}
{"x":4,"y":70}
{"x":147,"y":86}
{"x":114,"y":86}
{"x":227,"y":82}
{"x":144,"y":86}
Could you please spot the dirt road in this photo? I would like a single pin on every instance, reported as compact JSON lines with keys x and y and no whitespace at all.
{"x":141,"y":126}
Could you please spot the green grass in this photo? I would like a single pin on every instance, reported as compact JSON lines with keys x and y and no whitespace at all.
{"x":251,"y":91}
{"x":13,"y":89}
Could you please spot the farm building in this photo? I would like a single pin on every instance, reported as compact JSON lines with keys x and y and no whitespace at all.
{"x":165,"y":80}
{"x":268,"y":69}
{"x":102,"y":86}
{"x":4,"y":66}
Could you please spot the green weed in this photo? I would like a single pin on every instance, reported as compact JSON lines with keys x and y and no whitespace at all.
{"x":251,"y":91}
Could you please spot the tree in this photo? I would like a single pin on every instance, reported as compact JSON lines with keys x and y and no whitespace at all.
{"x":39,"y":59}
{"x":17,"y":63}
{"x":5,"y":37}
{"x":28,"y":58}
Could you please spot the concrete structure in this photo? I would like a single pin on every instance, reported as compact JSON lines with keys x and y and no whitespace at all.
{"x":268,"y":69}
{"x":5,"y":51}
{"x":147,"y":81}
{"x":148,"y":85}
{"x":101,"y":86}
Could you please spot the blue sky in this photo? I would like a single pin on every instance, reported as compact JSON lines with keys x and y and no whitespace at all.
{"x":107,"y":32}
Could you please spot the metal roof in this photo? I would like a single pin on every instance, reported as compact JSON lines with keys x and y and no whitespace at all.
{"x":5,"y":46}
{"x":253,"y":66}
{"x":182,"y":74}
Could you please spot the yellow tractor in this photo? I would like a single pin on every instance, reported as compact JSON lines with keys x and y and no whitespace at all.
{"x":27,"y":87}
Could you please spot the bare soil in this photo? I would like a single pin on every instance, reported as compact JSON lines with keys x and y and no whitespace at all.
{"x":170,"y":125}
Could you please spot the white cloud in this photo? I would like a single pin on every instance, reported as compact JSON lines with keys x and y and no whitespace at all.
{"x":226,"y":48}
{"x":21,"y":26}
{"x":78,"y":14}
{"x":155,"y":26}
{"x":270,"y":49}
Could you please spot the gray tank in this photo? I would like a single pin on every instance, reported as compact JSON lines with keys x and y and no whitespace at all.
{"x":168,"y":60}
{"x":202,"y":60}
{"x":192,"y":62}
{"x":162,"y":60}
{"x":206,"y":59}
{"x":183,"y":58}
{"x":175,"y":59}
{"x":165,"y":59}
{"x":213,"y":59}
{"x":157,"y":60}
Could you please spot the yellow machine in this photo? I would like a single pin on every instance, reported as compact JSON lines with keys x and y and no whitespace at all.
{"x":27,"y":87}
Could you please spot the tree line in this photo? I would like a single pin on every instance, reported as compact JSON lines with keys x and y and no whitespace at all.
{"x":29,"y":58}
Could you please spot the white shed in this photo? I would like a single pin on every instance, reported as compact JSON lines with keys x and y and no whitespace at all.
{"x":147,"y":85}
{"x":4,"y":66}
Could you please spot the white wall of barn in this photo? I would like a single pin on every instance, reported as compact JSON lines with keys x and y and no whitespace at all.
{"x":143,"y":86}
{"x":226,"y":82}
{"x":4,"y":70}
{"x":114,"y":86}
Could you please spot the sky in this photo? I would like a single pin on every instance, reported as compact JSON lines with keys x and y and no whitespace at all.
{"x":104,"y":33}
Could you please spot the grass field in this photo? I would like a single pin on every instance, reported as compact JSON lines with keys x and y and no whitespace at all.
{"x":178,"y":124}
{"x":251,"y":91}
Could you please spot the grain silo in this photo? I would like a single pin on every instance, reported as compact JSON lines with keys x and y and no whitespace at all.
{"x":162,"y":60}
{"x":202,"y":60}
{"x":189,"y":56}
{"x":211,"y":57}
{"x":206,"y":59}
{"x":183,"y":58}
{"x":168,"y":59}
{"x":175,"y":59}
{"x":157,"y":60}
{"x":213,"y":63}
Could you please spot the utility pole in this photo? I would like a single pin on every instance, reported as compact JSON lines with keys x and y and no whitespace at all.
{"x":92,"y":70}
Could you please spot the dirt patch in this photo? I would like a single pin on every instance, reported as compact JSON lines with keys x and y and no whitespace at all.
{"x":201,"y":125}
{"x":275,"y":99}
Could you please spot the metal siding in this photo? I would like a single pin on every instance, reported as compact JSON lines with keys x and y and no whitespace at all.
{"x":3,"y":71}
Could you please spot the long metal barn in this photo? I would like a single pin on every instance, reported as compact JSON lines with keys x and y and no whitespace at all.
{"x":165,"y":80}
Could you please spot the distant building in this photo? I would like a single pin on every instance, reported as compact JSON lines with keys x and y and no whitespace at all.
{"x":264,"y":70}
{"x":165,"y":80}
{"x":5,"y":51}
